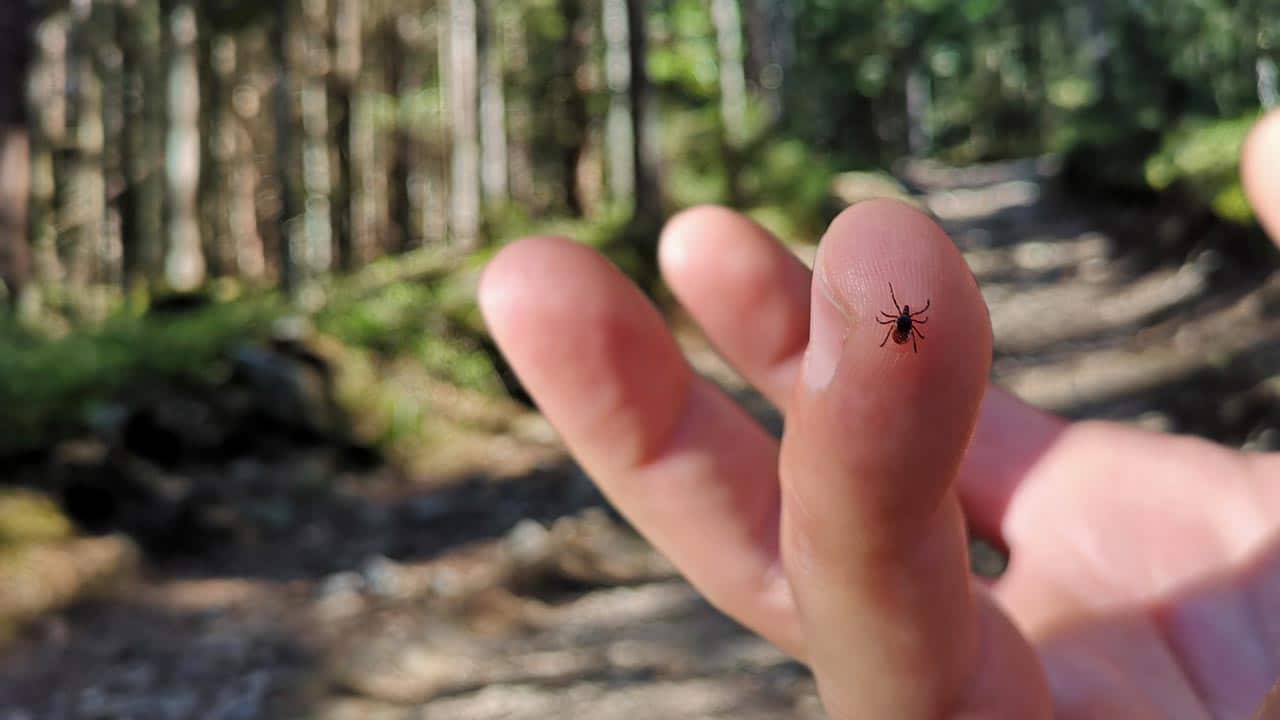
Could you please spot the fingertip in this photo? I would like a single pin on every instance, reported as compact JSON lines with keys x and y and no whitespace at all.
{"x":677,"y":243}
{"x":503,"y":276}
{"x":883,"y":243}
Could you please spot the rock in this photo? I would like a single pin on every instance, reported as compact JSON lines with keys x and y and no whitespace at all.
{"x":293,"y":390}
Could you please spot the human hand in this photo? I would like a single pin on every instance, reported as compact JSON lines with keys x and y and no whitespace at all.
{"x":1144,"y":575}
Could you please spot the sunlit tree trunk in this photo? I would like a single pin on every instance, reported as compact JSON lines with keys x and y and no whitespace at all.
{"x":618,"y":130}
{"x":15,"y":147}
{"x":82,"y":209}
{"x":726,"y":16}
{"x":49,"y":96}
{"x":317,"y":165}
{"x":493,"y":106}
{"x":771,"y":47}
{"x":463,"y":102}
{"x":185,"y":262}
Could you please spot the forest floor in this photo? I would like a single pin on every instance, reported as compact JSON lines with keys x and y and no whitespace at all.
{"x":499,"y":585}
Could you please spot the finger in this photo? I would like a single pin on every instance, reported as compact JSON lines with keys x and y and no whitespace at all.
{"x":747,"y":292}
{"x":873,"y":538}
{"x":750,"y":295}
{"x":1261,"y":173}
{"x":688,"y":467}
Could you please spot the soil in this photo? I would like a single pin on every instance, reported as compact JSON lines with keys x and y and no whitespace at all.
{"x":500,"y":585}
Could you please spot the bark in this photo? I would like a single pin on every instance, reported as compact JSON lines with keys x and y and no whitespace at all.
{"x":463,"y":75}
{"x":648,"y":203}
{"x":185,"y":262}
{"x":493,"y":106}
{"x":347,"y":61}
{"x":284,"y":147}
{"x":618,"y":130}
{"x":15,"y":147}
{"x":727,"y":18}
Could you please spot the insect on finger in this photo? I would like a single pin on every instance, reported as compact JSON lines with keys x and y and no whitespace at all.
{"x":904,"y":323}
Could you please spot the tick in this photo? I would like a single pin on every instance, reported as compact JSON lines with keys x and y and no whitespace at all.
{"x":904,"y":323}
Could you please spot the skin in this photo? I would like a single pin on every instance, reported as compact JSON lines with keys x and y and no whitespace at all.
{"x":1144,"y":579}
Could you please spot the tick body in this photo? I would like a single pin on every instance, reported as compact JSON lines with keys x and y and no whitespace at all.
{"x":903,"y":324}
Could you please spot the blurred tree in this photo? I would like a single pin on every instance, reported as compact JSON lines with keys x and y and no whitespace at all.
{"x":280,"y":40}
{"x":348,"y":53}
{"x":185,"y":262}
{"x":648,"y":195}
{"x":463,"y":70}
{"x":141,"y":199}
{"x":16,"y":24}
{"x":493,"y":104}
{"x":618,"y":131}
{"x":727,"y":17}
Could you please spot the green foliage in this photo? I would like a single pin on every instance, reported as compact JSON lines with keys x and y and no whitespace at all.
{"x":48,"y":387}
{"x":1204,"y":156}
{"x":430,"y":322}
{"x":786,"y":181}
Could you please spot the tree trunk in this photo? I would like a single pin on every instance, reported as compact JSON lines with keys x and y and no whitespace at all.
{"x":618,"y":130}
{"x":185,"y":263}
{"x":519,"y":109}
{"x":280,"y":37}
{"x":15,"y":147}
{"x":727,"y":18}
{"x":399,"y":234}
{"x":493,"y":105}
{"x":463,"y":74}
{"x":571,"y":116}
{"x":347,"y":59}
{"x":648,"y":204}
{"x":82,"y":209}
{"x":140,"y":203}
{"x":317,"y":173}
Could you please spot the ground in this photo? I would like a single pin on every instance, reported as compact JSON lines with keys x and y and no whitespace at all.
{"x":499,"y":585}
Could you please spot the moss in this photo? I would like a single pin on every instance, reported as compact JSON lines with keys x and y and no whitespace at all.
{"x":50,"y":386}
{"x":29,"y":517}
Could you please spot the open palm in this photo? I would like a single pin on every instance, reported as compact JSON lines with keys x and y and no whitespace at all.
{"x":1144,"y":576}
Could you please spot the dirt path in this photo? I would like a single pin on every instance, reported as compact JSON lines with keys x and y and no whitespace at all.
{"x":510,"y":592}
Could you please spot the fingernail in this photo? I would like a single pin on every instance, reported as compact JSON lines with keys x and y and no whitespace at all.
{"x":828,"y":329}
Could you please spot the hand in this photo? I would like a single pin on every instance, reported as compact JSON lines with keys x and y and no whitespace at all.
{"x":1144,"y":576}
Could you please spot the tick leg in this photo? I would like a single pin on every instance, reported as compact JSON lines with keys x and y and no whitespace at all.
{"x":914,"y":347}
{"x":927,"y":303}
{"x":891,"y":316}
{"x":886,"y":337}
{"x":887,"y":322}
{"x":919,"y":321}
{"x":917,"y":331}
{"x":895,"y":300}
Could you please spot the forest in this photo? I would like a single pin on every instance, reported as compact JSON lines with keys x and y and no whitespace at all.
{"x":240,"y":242}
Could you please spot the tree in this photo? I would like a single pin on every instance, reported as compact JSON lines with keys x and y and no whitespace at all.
{"x":185,"y":262}
{"x":493,"y":105}
{"x":15,"y":146}
{"x":463,"y":104}
{"x":648,"y":202}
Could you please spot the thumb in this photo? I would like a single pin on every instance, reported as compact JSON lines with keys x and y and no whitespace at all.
{"x":873,"y":538}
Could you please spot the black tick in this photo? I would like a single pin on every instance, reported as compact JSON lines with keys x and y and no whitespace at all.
{"x":904,"y":323}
